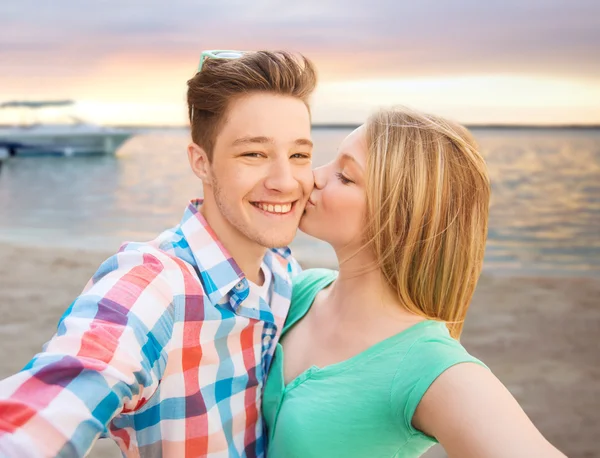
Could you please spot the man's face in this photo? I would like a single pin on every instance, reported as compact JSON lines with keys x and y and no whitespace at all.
{"x":260,"y":173}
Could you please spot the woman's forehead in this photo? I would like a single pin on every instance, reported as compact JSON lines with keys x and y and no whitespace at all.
{"x":354,"y":146}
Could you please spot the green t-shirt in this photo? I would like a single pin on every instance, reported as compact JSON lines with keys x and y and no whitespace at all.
{"x":360,"y":407}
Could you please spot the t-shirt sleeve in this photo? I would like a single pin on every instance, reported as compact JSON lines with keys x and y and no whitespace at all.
{"x":424,"y":362}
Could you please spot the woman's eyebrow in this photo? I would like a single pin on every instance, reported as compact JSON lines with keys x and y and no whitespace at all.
{"x":348,"y":157}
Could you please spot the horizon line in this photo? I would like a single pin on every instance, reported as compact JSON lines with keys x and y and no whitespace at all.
{"x":350,"y":125}
{"x":355,"y":125}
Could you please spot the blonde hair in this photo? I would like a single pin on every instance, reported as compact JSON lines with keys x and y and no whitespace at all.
{"x":428,"y":195}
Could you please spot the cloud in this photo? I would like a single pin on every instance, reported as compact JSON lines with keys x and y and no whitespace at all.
{"x":350,"y":39}
{"x":116,"y":55}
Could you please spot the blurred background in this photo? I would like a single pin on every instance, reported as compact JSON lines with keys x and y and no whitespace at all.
{"x":93,"y":132}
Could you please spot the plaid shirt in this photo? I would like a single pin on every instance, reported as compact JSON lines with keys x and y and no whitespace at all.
{"x":165,"y":351}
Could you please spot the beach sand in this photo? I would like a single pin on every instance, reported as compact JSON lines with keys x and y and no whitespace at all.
{"x":540,"y":336}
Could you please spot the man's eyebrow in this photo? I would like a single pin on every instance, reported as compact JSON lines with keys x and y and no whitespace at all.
{"x":304,"y":142}
{"x":268,"y":140}
{"x":245,"y":140}
{"x":348,"y":157}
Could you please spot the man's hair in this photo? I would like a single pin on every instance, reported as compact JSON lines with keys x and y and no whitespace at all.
{"x":221,"y":81}
{"x":428,"y":195}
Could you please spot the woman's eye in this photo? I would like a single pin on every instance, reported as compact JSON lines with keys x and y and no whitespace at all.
{"x":253,"y":154}
{"x":343,"y":179}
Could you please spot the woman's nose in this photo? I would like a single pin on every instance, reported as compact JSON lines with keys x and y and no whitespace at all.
{"x":320,"y":176}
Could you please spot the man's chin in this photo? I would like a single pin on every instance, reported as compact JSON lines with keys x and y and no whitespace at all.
{"x":275,"y":240}
{"x":278,"y":243}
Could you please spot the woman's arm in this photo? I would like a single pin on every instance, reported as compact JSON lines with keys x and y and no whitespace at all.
{"x":472,"y":415}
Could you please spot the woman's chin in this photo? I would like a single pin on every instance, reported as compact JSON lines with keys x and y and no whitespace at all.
{"x":307,"y":225}
{"x":313,"y":224}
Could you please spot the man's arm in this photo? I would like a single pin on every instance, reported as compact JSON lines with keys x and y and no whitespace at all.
{"x":105,"y":358}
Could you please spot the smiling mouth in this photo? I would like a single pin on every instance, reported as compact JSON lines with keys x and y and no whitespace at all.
{"x":275,"y":209}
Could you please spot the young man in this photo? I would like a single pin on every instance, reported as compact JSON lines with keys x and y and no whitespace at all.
{"x":167,"y":348}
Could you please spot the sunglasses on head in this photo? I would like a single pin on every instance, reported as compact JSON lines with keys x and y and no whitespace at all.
{"x":219,"y":54}
{"x":215,"y":54}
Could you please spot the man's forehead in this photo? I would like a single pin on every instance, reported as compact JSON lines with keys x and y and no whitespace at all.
{"x":272,"y":124}
{"x":265,"y":118}
{"x":255,"y":109}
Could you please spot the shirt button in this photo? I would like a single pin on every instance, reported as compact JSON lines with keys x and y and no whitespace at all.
{"x":267,"y":339}
{"x":240,"y":285}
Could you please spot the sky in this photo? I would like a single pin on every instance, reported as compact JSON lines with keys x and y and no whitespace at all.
{"x":478,"y":62}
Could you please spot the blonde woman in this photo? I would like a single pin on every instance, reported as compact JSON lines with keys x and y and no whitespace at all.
{"x":370,"y":364}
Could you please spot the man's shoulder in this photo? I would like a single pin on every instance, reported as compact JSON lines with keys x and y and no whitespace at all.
{"x":143,"y":269}
{"x":158,"y":256}
{"x":168,"y":246}
{"x":147,"y":253}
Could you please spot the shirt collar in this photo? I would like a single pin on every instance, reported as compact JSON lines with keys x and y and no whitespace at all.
{"x":218,"y":270}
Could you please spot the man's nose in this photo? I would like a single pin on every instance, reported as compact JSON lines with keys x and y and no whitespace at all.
{"x":281,"y":177}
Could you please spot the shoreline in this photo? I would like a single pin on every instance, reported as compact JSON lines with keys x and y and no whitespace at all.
{"x":538,"y":334}
{"x":108,"y":245}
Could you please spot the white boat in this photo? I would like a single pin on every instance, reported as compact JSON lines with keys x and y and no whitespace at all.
{"x":75,"y":137}
{"x":3,"y":155}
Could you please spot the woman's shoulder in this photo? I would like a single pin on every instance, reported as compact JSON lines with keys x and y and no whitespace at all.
{"x":431,"y":353}
{"x":433,"y":347}
{"x":312,"y":279}
{"x":306,"y":286}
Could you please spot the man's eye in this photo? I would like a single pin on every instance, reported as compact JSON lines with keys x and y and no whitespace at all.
{"x":343,"y":179}
{"x":253,"y":154}
{"x":300,"y":156}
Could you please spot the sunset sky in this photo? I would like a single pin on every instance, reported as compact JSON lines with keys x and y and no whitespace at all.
{"x":127,"y":62}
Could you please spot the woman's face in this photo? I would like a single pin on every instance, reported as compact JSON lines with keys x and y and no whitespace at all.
{"x":337,"y":208}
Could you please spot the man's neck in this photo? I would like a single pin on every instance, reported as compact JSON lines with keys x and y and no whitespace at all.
{"x":247,"y":254}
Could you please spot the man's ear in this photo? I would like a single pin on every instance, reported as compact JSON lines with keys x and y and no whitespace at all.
{"x":199,"y":162}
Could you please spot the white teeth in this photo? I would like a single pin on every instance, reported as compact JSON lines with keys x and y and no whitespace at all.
{"x":277,"y":208}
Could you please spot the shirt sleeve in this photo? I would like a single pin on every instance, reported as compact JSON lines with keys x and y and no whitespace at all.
{"x":426,"y":360}
{"x":106,"y":358}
